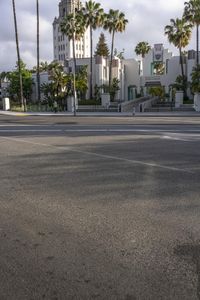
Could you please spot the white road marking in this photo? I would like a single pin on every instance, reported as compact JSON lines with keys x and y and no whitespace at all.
{"x":182,"y":137}
{"x":166,"y":131}
{"x":138,"y":162}
{"x":30,"y":130}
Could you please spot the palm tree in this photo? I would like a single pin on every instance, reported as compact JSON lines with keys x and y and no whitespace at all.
{"x":94,"y":17}
{"x":58,"y":77}
{"x":142,"y":49}
{"x":115,"y":22}
{"x":192,"y":14}
{"x":179,"y":33}
{"x":38,"y":51}
{"x":22,"y":100}
{"x":73,"y":26}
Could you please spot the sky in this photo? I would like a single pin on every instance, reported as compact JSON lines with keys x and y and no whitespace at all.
{"x":147,"y":19}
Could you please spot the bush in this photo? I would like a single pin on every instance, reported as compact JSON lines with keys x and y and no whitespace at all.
{"x":89,"y":102}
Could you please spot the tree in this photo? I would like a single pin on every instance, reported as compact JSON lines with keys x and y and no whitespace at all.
{"x":21,"y":97}
{"x":120,"y":54}
{"x":102,"y":47}
{"x":4,"y":75}
{"x":82,"y":82}
{"x":180,"y":83}
{"x":38,"y":51}
{"x":48,"y":92}
{"x":195,"y":79}
{"x":156,"y":91}
{"x":159,"y":68}
{"x":179,"y":33}
{"x":94,"y":17}
{"x":14,"y":89}
{"x":43,"y":67}
{"x":142,"y":49}
{"x":73,"y":26}
{"x":192,"y":14}
{"x":114,"y":88}
{"x":115,"y":22}
{"x":58,"y":77}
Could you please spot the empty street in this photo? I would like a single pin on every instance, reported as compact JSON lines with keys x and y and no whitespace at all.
{"x":100,"y":207}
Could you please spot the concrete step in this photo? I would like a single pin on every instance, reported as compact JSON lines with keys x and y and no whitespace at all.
{"x":184,"y":109}
{"x":97,"y":109}
{"x":158,"y":109}
{"x":166,"y":109}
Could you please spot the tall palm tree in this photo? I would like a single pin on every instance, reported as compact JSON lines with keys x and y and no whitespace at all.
{"x":179,"y":33}
{"x":192,"y":13}
{"x":22,"y":100}
{"x":94,"y":17}
{"x":38,"y":51}
{"x":115,"y":22}
{"x":74,"y":26}
{"x":142,"y":49}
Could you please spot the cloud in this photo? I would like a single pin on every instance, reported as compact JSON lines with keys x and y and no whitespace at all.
{"x":147,"y":19}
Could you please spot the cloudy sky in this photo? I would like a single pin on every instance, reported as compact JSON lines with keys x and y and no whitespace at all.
{"x":147,"y":19}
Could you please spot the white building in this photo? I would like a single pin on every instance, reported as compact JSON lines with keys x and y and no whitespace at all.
{"x":62,"y":47}
{"x":128,"y":72}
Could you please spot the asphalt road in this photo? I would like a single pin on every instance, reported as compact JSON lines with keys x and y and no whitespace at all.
{"x":99,"y":208}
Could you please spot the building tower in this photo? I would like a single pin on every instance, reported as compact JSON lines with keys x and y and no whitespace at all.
{"x":63,"y":49}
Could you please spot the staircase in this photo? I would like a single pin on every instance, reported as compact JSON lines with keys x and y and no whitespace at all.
{"x":169,"y":106}
{"x":98,"y":108}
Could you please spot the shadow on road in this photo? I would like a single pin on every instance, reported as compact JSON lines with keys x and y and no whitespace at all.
{"x":193,"y":252}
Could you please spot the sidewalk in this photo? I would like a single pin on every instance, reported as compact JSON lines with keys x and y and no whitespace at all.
{"x":103,"y":114}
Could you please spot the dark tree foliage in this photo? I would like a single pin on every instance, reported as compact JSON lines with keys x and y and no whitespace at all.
{"x":102,"y":47}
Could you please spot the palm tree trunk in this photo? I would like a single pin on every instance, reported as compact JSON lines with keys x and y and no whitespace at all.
{"x":74,"y":54}
{"x":18,"y":58}
{"x":111,"y":60}
{"x":197,"y":41}
{"x":91,"y":62}
{"x":38,"y":52}
{"x":182,"y":72}
{"x":74,"y":73}
{"x":181,"y":62}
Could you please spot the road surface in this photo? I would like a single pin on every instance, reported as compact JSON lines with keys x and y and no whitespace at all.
{"x":99,"y":208}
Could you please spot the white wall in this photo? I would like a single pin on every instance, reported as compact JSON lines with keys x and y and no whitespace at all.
{"x":130,"y":76}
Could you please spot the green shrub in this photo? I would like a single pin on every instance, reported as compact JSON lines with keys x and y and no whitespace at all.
{"x":89,"y":102}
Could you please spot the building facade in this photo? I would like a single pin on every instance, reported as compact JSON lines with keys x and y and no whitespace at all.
{"x":62,"y":47}
{"x":160,"y":69}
